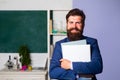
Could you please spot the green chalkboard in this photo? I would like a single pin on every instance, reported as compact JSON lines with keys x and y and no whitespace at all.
{"x":19,"y":28}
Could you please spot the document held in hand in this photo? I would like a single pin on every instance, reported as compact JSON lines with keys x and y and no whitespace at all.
{"x":76,"y":52}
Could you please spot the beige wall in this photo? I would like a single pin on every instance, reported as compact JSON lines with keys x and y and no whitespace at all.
{"x":35,"y":4}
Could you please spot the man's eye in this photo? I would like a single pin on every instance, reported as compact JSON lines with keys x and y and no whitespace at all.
{"x":78,"y":22}
{"x":70,"y":22}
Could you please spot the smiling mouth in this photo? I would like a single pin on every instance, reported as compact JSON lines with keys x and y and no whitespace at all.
{"x":74,"y":31}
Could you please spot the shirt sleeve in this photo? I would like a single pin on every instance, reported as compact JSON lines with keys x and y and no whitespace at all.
{"x":71,"y":65}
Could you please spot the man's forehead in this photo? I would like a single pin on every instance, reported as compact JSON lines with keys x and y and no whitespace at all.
{"x":75,"y":18}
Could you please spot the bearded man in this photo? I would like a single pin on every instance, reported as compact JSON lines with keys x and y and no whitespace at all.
{"x":63,"y":69}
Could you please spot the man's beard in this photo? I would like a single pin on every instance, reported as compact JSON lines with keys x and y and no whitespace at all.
{"x":74,"y":36}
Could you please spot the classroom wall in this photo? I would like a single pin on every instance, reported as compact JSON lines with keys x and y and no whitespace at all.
{"x":38,"y":60}
{"x":103,"y":23}
{"x":35,"y":4}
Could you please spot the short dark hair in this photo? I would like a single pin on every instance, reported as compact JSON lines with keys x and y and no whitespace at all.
{"x":76,"y":12}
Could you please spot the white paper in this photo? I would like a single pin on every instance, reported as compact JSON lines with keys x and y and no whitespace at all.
{"x":76,"y":53}
{"x":81,"y":42}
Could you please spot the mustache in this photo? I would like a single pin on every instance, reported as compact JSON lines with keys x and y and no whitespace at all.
{"x":74,"y":29}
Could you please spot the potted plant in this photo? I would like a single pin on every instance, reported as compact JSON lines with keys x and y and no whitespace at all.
{"x":25,"y":58}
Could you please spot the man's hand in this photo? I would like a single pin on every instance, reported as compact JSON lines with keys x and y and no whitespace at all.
{"x":65,"y":64}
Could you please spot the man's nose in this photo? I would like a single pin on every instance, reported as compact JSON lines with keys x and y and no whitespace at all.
{"x":74,"y":25}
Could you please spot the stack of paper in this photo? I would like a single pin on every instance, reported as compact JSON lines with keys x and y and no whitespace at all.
{"x":76,"y":51}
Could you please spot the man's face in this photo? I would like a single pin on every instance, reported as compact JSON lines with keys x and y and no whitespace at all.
{"x":74,"y":27}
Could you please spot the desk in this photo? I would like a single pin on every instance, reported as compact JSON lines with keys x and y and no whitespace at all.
{"x":23,"y":75}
